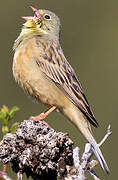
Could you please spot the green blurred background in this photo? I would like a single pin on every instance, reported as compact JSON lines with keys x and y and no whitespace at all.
{"x":89,"y":40}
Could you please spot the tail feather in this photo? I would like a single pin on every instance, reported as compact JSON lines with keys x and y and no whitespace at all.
{"x":96,"y":150}
{"x":86,"y":131}
{"x":83,"y":125}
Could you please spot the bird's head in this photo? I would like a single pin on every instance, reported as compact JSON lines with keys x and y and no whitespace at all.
{"x":43,"y":22}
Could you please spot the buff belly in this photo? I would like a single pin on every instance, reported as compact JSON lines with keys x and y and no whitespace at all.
{"x":34,"y":82}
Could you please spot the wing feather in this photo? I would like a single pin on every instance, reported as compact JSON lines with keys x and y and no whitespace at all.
{"x":55,"y":66}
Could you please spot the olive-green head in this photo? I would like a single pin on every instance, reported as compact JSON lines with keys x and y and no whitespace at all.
{"x":43,"y":22}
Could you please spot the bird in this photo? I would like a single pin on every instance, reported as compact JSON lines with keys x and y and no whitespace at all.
{"x":42,"y":70}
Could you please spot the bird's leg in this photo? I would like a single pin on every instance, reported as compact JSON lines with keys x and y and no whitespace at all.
{"x":43,"y":115}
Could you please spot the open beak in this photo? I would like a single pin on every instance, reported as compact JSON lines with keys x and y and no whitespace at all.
{"x":36,"y":14}
{"x":26,"y":18}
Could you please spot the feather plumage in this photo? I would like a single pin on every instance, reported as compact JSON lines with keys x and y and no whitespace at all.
{"x":55,"y":66}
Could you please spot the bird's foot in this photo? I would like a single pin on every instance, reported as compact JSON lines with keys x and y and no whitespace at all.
{"x":40,"y":117}
{"x":43,"y":115}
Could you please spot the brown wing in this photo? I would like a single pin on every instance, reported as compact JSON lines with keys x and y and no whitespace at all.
{"x":54,"y":65}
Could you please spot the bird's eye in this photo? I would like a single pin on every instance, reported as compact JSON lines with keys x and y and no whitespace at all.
{"x":47,"y":17}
